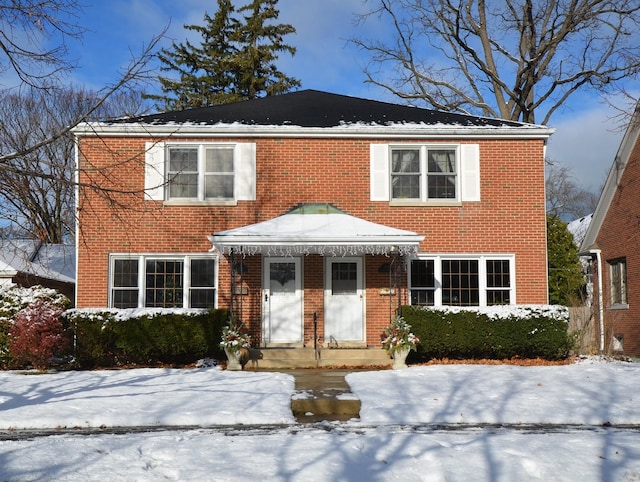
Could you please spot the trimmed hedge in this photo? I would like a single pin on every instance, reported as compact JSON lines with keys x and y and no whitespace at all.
{"x":113,"y":338}
{"x":523,"y":332}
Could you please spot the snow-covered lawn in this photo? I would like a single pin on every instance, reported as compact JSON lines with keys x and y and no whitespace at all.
{"x":389,"y":442}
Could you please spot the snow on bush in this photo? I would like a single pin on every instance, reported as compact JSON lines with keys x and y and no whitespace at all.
{"x":119,"y":314}
{"x":556,"y":312}
{"x":14,"y":298}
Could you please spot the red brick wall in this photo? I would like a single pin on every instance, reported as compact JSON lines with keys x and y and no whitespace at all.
{"x":619,"y":237}
{"x":509,"y":219}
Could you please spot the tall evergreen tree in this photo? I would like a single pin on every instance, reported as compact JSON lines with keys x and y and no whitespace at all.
{"x":566,"y":280}
{"x":235,"y":60}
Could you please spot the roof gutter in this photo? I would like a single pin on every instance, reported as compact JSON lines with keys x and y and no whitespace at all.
{"x":404,"y":131}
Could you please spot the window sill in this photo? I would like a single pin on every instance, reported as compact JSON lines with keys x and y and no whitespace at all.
{"x":439,"y":203}
{"x":188,"y":202}
{"x":619,"y":306}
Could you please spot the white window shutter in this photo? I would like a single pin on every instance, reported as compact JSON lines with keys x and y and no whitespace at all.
{"x":245,"y":174}
{"x":470,"y":172}
{"x":154,"y":167}
{"x":379,"y":167}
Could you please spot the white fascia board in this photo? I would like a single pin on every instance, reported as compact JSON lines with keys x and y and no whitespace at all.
{"x":293,"y":241}
{"x":404,"y":131}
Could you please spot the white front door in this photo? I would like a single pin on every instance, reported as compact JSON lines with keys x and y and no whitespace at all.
{"x":282,"y":300}
{"x":343,"y":301}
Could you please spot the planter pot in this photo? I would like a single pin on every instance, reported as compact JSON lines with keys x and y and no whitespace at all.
{"x":400,"y":358}
{"x":233,"y":358}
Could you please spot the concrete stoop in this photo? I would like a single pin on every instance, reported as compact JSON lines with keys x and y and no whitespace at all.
{"x":323,"y":395}
{"x":292,"y":358}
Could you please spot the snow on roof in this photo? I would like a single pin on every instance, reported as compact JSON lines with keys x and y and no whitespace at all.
{"x":311,"y":110}
{"x":316,"y":228}
{"x":50,"y":261}
{"x":578,"y":227}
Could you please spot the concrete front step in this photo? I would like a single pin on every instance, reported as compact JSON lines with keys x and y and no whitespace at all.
{"x":275,"y":358}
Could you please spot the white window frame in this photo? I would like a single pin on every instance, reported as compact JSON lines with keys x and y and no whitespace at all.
{"x":482,"y":274}
{"x":201,"y":171}
{"x":423,"y":174}
{"x":141,"y":286}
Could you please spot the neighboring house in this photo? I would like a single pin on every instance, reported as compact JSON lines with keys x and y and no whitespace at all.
{"x":612,"y":242}
{"x":28,"y":262}
{"x":311,"y":209}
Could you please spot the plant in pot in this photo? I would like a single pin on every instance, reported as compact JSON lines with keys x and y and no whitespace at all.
{"x":235,"y":344}
{"x":398,"y":341}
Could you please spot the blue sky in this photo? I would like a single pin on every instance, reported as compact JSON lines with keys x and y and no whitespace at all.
{"x":586,"y":139}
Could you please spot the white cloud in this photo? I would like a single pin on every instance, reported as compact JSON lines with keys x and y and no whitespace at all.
{"x":586,"y":142}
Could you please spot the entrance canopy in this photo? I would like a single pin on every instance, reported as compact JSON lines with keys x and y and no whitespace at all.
{"x":315,"y":229}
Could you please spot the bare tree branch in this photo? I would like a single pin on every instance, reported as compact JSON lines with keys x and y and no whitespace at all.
{"x":514,"y":59}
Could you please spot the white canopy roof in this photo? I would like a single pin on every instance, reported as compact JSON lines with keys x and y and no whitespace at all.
{"x":315,"y":228}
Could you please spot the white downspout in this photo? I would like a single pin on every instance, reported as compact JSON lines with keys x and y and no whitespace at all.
{"x":598,"y":253}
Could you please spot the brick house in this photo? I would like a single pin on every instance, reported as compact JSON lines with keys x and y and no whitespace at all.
{"x":311,"y":210}
{"x":611,"y":241}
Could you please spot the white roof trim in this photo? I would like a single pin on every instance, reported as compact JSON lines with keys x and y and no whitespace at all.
{"x":404,"y":130}
{"x":331,"y":234}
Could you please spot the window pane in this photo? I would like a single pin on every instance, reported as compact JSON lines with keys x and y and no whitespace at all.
{"x":125,"y":298}
{"x":441,"y":187}
{"x":441,"y":180}
{"x":124,"y":292}
{"x":405,"y":161}
{"x":183,"y":159}
{"x":422,"y":276}
{"x":460,"y":283}
{"x":219,"y":186}
{"x":203,"y":273}
{"x":219,"y":160}
{"x":405,"y":173}
{"x":183,"y":185}
{"x":498,"y":276}
{"x":618,"y":273}
{"x":282,"y":277}
{"x":344,"y":278}
{"x":202,"y":298}
{"x":164,"y":283}
{"x":125,"y":273}
{"x":442,"y":161}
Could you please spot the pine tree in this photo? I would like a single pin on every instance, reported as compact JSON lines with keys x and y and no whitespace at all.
{"x":566,"y":280}
{"x":235,"y":61}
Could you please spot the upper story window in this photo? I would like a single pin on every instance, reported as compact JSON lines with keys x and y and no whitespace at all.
{"x":618,"y":277}
{"x":162,"y":282}
{"x":191,"y":172}
{"x":425,"y":173}
{"x":470,"y":281}
{"x":200,"y":172}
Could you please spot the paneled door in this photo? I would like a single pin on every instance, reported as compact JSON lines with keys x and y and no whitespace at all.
{"x":282,"y":300}
{"x":344,"y":300}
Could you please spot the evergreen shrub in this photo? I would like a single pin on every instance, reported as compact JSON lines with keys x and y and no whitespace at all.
{"x":492,"y":333}
{"x":110,"y":338}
